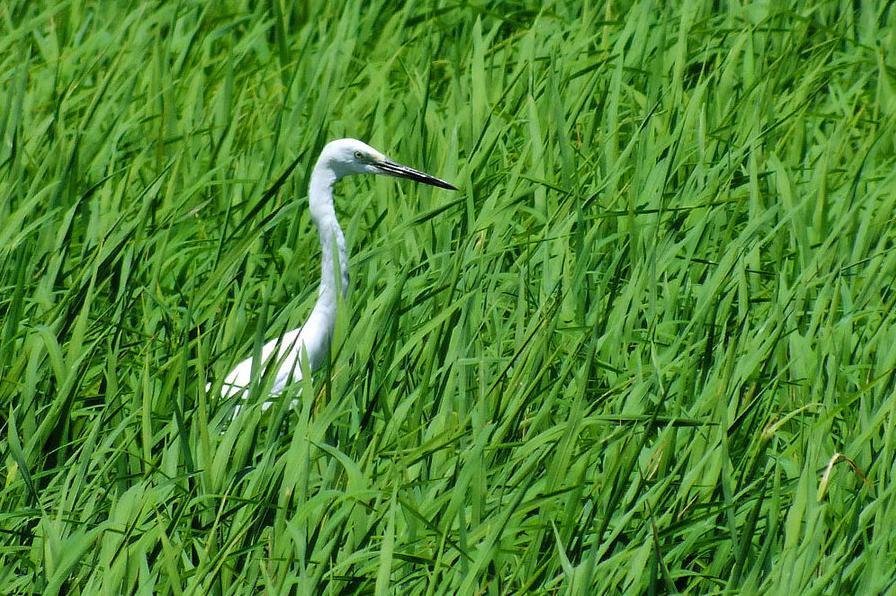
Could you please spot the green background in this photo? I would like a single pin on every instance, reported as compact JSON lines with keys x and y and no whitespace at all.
{"x":648,"y":347}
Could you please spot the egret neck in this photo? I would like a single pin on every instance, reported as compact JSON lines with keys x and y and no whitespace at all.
{"x":333,"y":271}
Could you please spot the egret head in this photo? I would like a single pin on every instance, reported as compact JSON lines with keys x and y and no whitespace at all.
{"x":350,"y":156}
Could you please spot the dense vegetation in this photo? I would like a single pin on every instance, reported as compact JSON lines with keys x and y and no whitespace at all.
{"x":649,"y":346}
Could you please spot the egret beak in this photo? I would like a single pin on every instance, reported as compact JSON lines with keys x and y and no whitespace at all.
{"x":390,"y":168}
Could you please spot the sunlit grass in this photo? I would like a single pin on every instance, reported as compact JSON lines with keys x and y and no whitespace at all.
{"x":648,"y":347}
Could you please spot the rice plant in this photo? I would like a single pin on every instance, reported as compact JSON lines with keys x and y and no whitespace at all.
{"x":648,"y":347}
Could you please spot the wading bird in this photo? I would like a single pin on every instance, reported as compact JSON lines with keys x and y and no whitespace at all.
{"x":338,"y":159}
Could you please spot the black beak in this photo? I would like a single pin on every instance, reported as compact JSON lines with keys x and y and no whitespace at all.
{"x":390,"y":168}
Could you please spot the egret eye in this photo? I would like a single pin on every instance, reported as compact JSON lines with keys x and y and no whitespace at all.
{"x":359,"y":155}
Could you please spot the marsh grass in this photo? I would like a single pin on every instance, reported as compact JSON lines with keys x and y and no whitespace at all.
{"x":648,"y":347}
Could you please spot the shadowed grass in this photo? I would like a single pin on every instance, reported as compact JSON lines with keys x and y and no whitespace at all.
{"x":648,"y":347}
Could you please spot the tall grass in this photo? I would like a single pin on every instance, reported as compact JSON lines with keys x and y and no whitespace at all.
{"x":649,"y":347}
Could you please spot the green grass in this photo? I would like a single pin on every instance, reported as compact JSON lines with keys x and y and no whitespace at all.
{"x":650,"y":346}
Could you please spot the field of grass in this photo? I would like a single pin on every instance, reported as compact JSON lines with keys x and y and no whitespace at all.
{"x":649,"y":346}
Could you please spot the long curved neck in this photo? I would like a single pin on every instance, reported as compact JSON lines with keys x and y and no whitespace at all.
{"x":320,"y":194}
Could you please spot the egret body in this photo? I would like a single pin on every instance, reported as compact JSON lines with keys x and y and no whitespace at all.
{"x":338,"y":159}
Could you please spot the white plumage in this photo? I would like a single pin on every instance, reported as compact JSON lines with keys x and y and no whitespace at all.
{"x":340,"y":158}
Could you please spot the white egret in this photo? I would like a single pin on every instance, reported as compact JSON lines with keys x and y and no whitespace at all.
{"x":340,"y":158}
